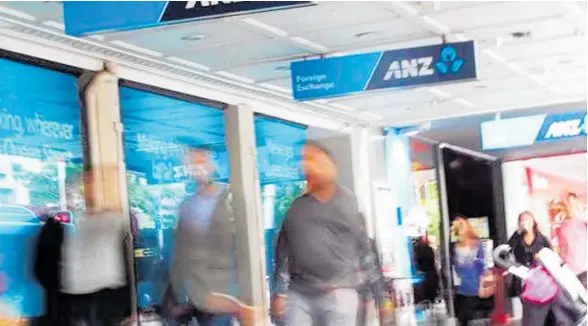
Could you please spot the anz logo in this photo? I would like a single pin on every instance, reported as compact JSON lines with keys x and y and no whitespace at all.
{"x":566,"y":128}
{"x":448,"y":63}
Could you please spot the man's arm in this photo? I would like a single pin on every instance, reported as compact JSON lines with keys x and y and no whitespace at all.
{"x":281,"y":275}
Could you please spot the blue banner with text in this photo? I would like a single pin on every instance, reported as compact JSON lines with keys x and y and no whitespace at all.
{"x":337,"y":76}
{"x":89,"y":17}
{"x":508,"y":133}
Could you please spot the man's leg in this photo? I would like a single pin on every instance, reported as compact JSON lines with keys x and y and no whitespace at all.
{"x":298,"y":310}
{"x":339,"y":307}
{"x":206,"y":319}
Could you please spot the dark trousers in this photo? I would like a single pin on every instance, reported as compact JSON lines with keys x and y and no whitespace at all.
{"x":469,"y":308}
{"x":108,"y":307}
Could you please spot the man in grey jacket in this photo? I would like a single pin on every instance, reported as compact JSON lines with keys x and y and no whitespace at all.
{"x":204,"y":262}
{"x":319,"y":250}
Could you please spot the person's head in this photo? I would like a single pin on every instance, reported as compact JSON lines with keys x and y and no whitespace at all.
{"x":318,"y":166}
{"x":463,"y":229}
{"x":527,"y":222}
{"x":200,"y":164}
{"x":558,"y":211}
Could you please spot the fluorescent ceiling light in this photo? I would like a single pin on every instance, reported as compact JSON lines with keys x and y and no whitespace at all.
{"x":275,"y":88}
{"x":371,"y":115}
{"x":17,"y":14}
{"x":495,"y":56}
{"x":98,"y":37}
{"x":464,"y":102}
{"x":342,"y":107}
{"x":516,"y":68}
{"x":235,"y":77}
{"x":404,"y":8}
{"x":538,"y":80}
{"x":54,"y":24}
{"x":439,"y":93}
{"x":4,"y":23}
{"x":135,"y":48}
{"x":441,"y":28}
{"x":265,"y":27}
{"x":461,"y":38}
{"x":410,"y":133}
{"x":310,"y":44}
{"x":188,"y":63}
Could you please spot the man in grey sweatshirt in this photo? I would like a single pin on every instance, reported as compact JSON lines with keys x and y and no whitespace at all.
{"x":319,"y":250}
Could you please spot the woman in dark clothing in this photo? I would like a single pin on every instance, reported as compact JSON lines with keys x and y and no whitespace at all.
{"x":424,"y":257}
{"x":526,"y":242}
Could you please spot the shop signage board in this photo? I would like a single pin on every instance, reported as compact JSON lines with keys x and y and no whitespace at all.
{"x":507,"y":133}
{"x":90,"y":17}
{"x":338,"y":76}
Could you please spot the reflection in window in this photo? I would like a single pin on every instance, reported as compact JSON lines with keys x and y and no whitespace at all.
{"x":40,"y":155}
{"x":279,"y":146}
{"x":158,"y":131}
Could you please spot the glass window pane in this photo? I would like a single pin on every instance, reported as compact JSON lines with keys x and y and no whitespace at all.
{"x":167,"y":141}
{"x":40,"y":157}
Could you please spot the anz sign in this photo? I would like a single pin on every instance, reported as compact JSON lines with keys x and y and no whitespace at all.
{"x":565,"y":128}
{"x":447,"y":63}
{"x":410,"y":68}
{"x":530,"y":130}
{"x":399,"y":68}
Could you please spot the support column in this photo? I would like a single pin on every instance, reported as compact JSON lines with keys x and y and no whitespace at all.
{"x":400,"y":177}
{"x":103,"y":136}
{"x":244,"y":180}
{"x":104,"y":154}
{"x":362,"y":175}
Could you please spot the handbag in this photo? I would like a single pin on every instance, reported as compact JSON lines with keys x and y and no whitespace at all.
{"x":539,"y":287}
{"x":487,"y":284}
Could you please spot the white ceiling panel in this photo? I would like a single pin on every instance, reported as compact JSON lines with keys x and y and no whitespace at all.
{"x":365,"y":34}
{"x":266,"y":72}
{"x":539,"y":29}
{"x":550,"y":47}
{"x":42,"y":10}
{"x":192,"y":37}
{"x":427,"y":7}
{"x":492,"y":13}
{"x":480,"y":88}
{"x":249,"y":53}
{"x":380,"y":100}
{"x":327,"y":15}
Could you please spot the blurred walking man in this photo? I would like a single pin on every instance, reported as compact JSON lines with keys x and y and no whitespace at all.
{"x":204,"y":267}
{"x":318,"y":250}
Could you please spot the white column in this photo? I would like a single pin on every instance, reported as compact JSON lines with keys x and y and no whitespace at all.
{"x":105,"y":155}
{"x":244,"y":180}
{"x":362,"y":174}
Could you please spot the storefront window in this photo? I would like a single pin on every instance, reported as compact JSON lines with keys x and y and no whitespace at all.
{"x":40,"y":160}
{"x":279,"y":146}
{"x":159,"y":134}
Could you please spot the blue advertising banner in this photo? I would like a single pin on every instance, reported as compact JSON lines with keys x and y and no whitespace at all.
{"x":279,"y":148}
{"x":40,"y":154}
{"x":88,"y":17}
{"x":526,"y":131}
{"x":337,"y":76}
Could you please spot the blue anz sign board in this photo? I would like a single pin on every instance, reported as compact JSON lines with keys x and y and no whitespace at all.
{"x":90,"y":17}
{"x":337,"y":76}
{"x":508,"y":133}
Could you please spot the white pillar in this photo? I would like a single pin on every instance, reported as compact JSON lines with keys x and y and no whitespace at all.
{"x":362,"y":175}
{"x":244,"y":180}
{"x":105,"y":153}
